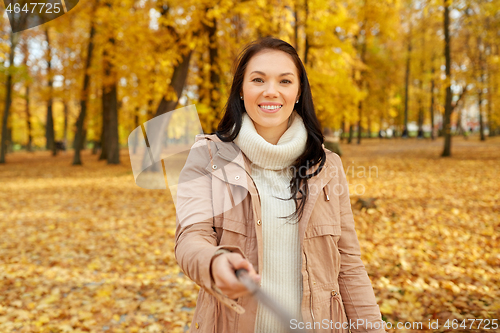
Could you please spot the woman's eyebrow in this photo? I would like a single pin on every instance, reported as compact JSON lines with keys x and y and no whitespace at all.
{"x":262,"y":73}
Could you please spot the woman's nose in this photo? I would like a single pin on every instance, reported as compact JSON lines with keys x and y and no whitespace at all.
{"x":271,"y":90}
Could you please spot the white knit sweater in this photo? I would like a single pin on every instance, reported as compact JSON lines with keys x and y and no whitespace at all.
{"x":281,"y":267}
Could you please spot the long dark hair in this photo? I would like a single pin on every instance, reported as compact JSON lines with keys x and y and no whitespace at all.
{"x":230,"y":124}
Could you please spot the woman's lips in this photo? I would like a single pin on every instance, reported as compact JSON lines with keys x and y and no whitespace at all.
{"x":270,"y":111}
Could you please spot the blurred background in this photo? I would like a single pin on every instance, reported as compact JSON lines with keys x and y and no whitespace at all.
{"x":407,"y":92}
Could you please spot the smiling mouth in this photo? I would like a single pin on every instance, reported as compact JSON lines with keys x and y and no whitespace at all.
{"x":271,"y":108}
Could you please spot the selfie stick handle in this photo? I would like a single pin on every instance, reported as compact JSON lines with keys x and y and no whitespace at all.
{"x":267,"y":301}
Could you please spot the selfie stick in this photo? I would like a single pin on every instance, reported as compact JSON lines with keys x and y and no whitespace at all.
{"x":265,"y":300}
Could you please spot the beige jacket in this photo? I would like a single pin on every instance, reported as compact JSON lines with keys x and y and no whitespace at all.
{"x":218,"y":207}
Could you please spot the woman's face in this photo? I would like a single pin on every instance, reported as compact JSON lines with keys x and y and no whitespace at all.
{"x":270,"y":89}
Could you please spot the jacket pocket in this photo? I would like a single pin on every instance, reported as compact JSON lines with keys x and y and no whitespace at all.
{"x":233,"y":226}
{"x":323,"y":230}
{"x":232,"y":233}
{"x":338,"y":317}
{"x":323,"y":257}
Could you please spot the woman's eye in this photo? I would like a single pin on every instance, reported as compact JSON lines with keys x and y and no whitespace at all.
{"x":287,"y":81}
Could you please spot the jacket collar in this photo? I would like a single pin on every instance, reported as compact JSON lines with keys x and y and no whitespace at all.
{"x":230,"y":160}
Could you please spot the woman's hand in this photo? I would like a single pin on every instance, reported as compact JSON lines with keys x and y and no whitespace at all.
{"x":223,"y":271}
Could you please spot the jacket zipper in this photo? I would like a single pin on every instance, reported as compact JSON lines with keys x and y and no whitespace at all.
{"x":325,"y":190}
{"x":310,"y":290}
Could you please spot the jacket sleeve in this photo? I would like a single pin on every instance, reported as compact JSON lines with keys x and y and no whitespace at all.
{"x":355,"y":286}
{"x":195,"y":239}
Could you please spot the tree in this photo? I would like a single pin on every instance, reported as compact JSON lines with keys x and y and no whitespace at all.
{"x":27,"y":95}
{"x":110,"y":101}
{"x":447,"y":105}
{"x":79,"y":136}
{"x":14,"y":39}
{"x":49,"y":126}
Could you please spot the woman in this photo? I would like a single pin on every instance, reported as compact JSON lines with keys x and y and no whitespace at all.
{"x":264,"y":194}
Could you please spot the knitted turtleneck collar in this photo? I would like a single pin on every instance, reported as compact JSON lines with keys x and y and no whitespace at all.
{"x":266,"y":155}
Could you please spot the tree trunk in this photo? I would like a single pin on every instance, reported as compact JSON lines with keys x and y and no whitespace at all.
{"x":490,"y":99}
{"x":149,"y":112}
{"x":79,"y":136}
{"x":28,"y":119}
{"x":65,"y":131}
{"x":169,"y":102}
{"x":420,"y":102}
{"x":447,"y":105}
{"x":8,"y":97}
{"x":10,"y":145}
{"x":214,"y":71}
{"x":369,"y":129}
{"x":84,"y":144}
{"x":494,"y":87}
{"x":27,"y":99}
{"x":176,"y":84}
{"x":342,"y":127}
{"x":110,"y":109}
{"x":362,"y":82}
{"x":433,"y":137}
{"x":407,"y":84}
{"x":136,"y":134}
{"x":480,"y":90}
{"x":17,"y":25}
{"x":49,"y":127}
{"x":421,"y":112}
{"x":380,"y":122}
{"x":349,"y":140}
{"x":214,"y":92}
{"x":360,"y":115}
{"x":104,"y":150}
{"x":480,"y":110}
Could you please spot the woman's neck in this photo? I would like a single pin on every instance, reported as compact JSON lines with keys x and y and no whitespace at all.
{"x":271,"y":134}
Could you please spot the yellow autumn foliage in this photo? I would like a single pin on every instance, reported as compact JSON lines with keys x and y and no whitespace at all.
{"x":85,"y":249}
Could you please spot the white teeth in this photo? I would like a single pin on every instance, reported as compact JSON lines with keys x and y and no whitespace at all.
{"x":271,"y":107}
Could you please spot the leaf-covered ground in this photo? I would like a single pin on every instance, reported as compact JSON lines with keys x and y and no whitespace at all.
{"x":83,"y":249}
